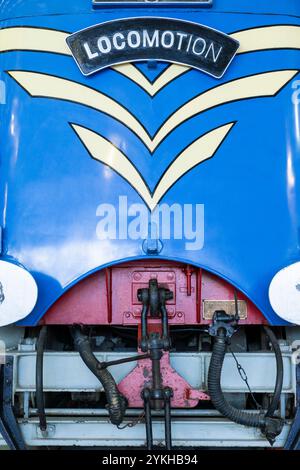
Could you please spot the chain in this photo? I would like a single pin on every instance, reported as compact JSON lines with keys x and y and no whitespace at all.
{"x":244,"y":377}
{"x":133,"y":423}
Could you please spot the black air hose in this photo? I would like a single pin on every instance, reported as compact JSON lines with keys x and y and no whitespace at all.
{"x":279,"y":376}
{"x":116,"y":401}
{"x":270,"y":426}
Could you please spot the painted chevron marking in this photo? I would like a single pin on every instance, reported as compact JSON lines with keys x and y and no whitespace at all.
{"x":105,"y":152}
{"x":265,"y":38}
{"x":53,"y":41}
{"x":133,"y":73}
{"x":26,"y":38}
{"x":48,"y":86}
{"x":268,"y":38}
{"x":255,"y":86}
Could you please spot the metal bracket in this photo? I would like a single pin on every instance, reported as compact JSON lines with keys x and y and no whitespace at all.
{"x":49,"y":432}
{"x":222,"y":320}
{"x":158,"y":397}
{"x":293,"y":440}
{"x":152,"y":245}
{"x":154,"y":298}
{"x":9,"y":427}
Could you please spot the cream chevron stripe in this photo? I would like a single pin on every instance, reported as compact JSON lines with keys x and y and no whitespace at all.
{"x":49,"y":86}
{"x":254,"y":86}
{"x":267,"y":38}
{"x":33,"y":39}
{"x":47,"y":40}
{"x":257,"y":39}
{"x":200,"y":150}
{"x":132,"y":72}
{"x":52,"y":41}
{"x":105,"y":152}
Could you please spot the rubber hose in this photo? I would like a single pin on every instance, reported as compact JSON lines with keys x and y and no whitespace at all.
{"x":116,"y":401}
{"x":39,"y":385}
{"x":216,"y":394}
{"x":279,"y":375}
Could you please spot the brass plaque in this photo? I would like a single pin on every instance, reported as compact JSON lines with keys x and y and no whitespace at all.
{"x":210,"y":306}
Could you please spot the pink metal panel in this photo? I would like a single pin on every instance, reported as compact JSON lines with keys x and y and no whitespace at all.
{"x":109,"y":296}
{"x":215,"y":288}
{"x":133,"y":384}
{"x":84,"y":303}
{"x":128,"y":279}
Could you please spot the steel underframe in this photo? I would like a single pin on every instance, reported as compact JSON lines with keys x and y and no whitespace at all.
{"x":186,"y":432}
{"x":97,"y":431}
{"x":65,"y":371}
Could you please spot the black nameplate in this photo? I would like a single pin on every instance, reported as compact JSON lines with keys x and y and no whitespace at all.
{"x":165,"y":39}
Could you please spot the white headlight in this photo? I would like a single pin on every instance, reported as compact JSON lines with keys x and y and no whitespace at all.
{"x":18,"y":293}
{"x":284,"y":293}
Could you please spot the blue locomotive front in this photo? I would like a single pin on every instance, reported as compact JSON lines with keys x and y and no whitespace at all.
{"x":150,"y":223}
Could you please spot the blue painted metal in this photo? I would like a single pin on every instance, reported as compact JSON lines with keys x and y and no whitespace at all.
{"x":19,"y":8}
{"x":293,"y":440}
{"x":9,"y":427}
{"x":50,"y":187}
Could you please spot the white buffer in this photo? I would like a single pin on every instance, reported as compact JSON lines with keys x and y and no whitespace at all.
{"x":284,"y":293}
{"x":18,"y":293}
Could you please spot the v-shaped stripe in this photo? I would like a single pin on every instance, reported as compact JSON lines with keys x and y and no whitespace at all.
{"x":254,"y":86}
{"x":105,"y":152}
{"x":53,"y":41}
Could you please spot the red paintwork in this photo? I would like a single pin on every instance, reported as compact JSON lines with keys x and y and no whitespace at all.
{"x":140,"y":377}
{"x":184,"y":396}
{"x":109,"y":296}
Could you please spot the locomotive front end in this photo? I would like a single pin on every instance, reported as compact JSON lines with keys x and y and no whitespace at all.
{"x":149,"y":201}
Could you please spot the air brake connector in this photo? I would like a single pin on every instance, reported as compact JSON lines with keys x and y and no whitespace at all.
{"x":222,"y":328}
{"x":157,"y":397}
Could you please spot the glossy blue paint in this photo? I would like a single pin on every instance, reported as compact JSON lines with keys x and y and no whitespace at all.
{"x":50,"y":187}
